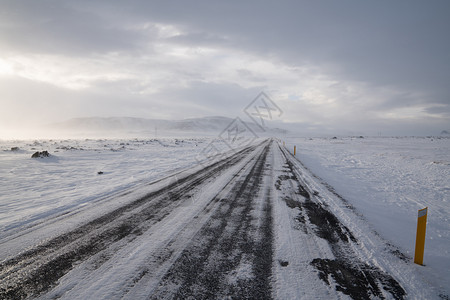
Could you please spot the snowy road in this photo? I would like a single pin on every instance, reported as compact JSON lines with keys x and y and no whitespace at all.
{"x":255,"y":224}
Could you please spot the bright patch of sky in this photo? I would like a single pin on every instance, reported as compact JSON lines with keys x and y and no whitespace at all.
{"x":339,"y":67}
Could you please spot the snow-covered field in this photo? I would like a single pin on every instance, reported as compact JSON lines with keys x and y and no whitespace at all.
{"x":32,"y":189}
{"x":387,"y":180}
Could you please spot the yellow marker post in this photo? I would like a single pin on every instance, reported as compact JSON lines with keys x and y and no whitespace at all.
{"x":294,"y":149}
{"x":420,"y":236}
{"x":283,"y":143}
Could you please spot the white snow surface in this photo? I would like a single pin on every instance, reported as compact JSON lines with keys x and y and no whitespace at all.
{"x":32,"y":189}
{"x":387,"y":180}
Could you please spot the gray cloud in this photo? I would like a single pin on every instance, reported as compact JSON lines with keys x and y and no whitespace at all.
{"x":349,"y":59}
{"x":58,"y":28}
{"x":383,"y":43}
{"x":209,"y":99}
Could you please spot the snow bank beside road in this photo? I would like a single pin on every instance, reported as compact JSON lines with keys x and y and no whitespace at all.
{"x":388,"y":180}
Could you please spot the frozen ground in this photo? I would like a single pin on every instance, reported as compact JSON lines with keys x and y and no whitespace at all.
{"x":387,"y":180}
{"x":32,"y":189}
{"x":253,"y":222}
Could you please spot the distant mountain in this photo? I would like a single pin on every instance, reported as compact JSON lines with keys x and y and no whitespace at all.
{"x":128,"y":124}
{"x":445,"y":132}
{"x":201,"y":124}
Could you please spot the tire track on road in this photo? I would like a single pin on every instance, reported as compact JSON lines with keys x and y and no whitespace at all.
{"x":346,"y":271}
{"x":35,"y":271}
{"x":231,"y":256}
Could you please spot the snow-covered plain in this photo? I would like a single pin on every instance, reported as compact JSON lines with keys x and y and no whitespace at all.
{"x":33,"y":189}
{"x":387,"y":179}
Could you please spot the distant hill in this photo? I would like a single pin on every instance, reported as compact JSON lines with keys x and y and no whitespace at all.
{"x":129,"y":124}
{"x":445,"y":132}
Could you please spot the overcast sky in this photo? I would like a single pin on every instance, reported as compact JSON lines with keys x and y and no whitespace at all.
{"x":346,"y":66}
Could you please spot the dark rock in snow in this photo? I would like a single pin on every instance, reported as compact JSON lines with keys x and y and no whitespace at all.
{"x":40,"y":154}
{"x":283,"y":263}
{"x":15,"y":149}
{"x":99,"y":172}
